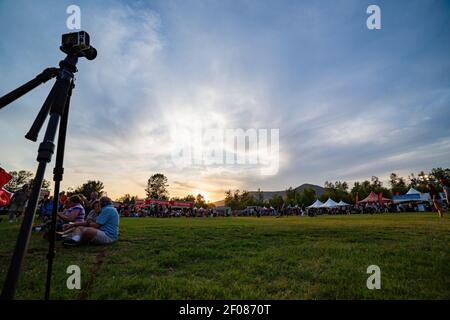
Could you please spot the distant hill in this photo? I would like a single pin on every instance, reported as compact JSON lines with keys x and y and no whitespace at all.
{"x":219,"y":203}
{"x":270,"y":194}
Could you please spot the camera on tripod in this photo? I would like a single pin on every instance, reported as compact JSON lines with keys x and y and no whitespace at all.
{"x":56,"y":105}
{"x":77,"y":43}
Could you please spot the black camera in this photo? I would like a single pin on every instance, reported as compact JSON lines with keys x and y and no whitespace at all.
{"x":77,"y":43}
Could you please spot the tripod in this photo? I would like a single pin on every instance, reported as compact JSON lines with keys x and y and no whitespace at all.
{"x":57,"y":105}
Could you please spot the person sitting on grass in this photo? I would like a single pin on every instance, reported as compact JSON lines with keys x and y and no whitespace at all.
{"x":71,"y":230}
{"x":74,"y":212}
{"x":95,"y":211}
{"x":105,"y":229}
{"x":46,"y":207}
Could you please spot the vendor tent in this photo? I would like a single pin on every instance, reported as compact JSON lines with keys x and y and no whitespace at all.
{"x":423,"y":196}
{"x":330,"y":203}
{"x":412,"y":196}
{"x":342,"y":204}
{"x":316,"y":204}
{"x":412,"y":191}
{"x":373,"y":198}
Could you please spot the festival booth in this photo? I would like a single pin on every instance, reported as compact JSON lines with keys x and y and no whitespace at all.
{"x":412,"y":196}
{"x":316,"y":204}
{"x":139,"y":204}
{"x":343,"y":204}
{"x":330,"y":203}
{"x":375,"y":198}
{"x":173,"y":203}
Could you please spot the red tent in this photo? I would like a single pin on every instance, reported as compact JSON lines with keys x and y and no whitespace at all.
{"x":372,"y":198}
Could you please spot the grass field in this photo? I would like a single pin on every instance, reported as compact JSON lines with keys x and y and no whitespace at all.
{"x":324,"y":257}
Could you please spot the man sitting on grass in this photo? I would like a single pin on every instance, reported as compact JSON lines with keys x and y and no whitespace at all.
{"x":105,"y":229}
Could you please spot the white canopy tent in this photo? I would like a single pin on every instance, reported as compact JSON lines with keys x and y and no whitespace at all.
{"x":423,"y":196}
{"x":316,"y":204}
{"x":330,"y":203}
{"x":412,"y":191}
{"x":342,"y":204}
{"x":412,"y":195}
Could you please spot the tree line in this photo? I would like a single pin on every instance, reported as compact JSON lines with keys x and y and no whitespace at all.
{"x":157,"y":188}
{"x":24,"y":177}
{"x":338,"y":191}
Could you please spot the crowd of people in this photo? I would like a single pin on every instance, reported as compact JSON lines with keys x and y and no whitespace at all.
{"x":255,"y":211}
{"x":162,"y":211}
{"x":73,"y":226}
{"x":101,"y":223}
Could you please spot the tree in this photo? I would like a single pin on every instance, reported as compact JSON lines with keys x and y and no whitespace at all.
{"x":291,"y":196}
{"x":307,"y":197}
{"x":200,"y":201}
{"x":337,"y":191}
{"x":376,"y":183}
{"x":420,"y":182}
{"x":21,"y":178}
{"x":238,"y":201}
{"x":398,"y":184}
{"x":246,"y":200}
{"x":276,"y":202}
{"x":127,"y":199}
{"x":189,"y":198}
{"x":90,"y":186}
{"x":259,"y":197}
{"x":230,"y":200}
{"x":157,"y":187}
{"x":438,"y":173}
{"x":363,"y":189}
{"x":45,"y":183}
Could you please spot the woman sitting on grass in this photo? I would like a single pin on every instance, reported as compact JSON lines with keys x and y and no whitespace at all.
{"x":105,"y":229}
{"x":74,"y":212}
{"x":95,"y":211}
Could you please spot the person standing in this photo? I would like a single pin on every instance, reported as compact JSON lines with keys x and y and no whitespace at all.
{"x":445,"y":183}
{"x":435,"y":198}
{"x":18,"y":203}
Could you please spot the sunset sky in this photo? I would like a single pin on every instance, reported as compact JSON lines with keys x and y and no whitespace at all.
{"x":349,"y":102}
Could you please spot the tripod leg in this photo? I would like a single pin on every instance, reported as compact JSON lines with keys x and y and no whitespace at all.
{"x":33,"y":133}
{"x":45,"y":152}
{"x":9,"y":286}
{"x":46,"y":75}
{"x":58,"y":172}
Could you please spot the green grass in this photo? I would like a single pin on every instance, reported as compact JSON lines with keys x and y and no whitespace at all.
{"x":249,"y":258}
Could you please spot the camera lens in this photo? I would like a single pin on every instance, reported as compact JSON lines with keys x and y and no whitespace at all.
{"x":90,"y":53}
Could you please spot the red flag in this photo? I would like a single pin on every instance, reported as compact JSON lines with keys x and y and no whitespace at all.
{"x":356,"y":198}
{"x":5,"y":196}
{"x":380,"y":198}
{"x":4,"y":177}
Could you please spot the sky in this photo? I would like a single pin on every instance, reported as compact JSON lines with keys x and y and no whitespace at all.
{"x":349,"y":102}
